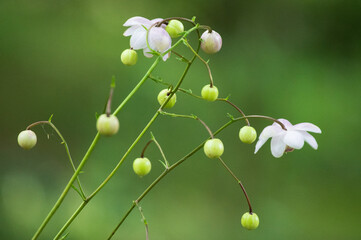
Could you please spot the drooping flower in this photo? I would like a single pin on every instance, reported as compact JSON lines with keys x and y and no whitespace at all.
{"x":158,"y":39}
{"x":285,"y":141}
{"x":211,"y":42}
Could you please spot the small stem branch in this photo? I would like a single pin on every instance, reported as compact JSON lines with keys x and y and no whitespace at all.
{"x":239,"y":182}
{"x":144,"y":220}
{"x":181,"y":56}
{"x":200,"y":58}
{"x":191,"y":117}
{"x":161,"y":150}
{"x":237,"y":108}
{"x":205,"y":125}
{"x":145,"y":148}
{"x":81,"y":193}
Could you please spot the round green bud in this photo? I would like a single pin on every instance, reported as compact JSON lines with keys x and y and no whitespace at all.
{"x":142,"y":166}
{"x":209,"y":93}
{"x":129,"y":57}
{"x":174,"y":28}
{"x":247,"y":134}
{"x":27,"y":139}
{"x":213,"y":148}
{"x":250,"y":221}
{"x":107,"y":126}
{"x":162,"y":97}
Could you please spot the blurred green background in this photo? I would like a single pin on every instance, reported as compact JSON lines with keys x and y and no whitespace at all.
{"x":298,"y":60}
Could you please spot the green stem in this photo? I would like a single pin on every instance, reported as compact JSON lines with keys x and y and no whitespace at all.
{"x":135,"y":141}
{"x":173,"y":166}
{"x":81,"y":193}
{"x":66,"y":190}
{"x":160,"y":150}
{"x":89,"y":151}
{"x":239,"y":182}
{"x":71,"y":219}
{"x":205,"y":62}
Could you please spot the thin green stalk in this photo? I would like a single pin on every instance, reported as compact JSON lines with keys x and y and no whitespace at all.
{"x":173,"y":166}
{"x":81,"y":192}
{"x":133,"y":144}
{"x":89,"y":151}
{"x":66,"y":190}
{"x":71,"y":219}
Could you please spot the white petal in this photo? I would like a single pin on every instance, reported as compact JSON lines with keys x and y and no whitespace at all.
{"x":147,"y":53}
{"x":307,"y":127}
{"x":310,"y":140}
{"x":285,"y":122}
{"x":136,"y":21}
{"x":259,"y":145}
{"x":165,"y":57}
{"x":278,"y":146}
{"x":269,"y":131}
{"x":294,"y":139}
{"x":130,"y":31}
{"x":159,"y":39}
{"x":155,"y":20}
{"x":138,"y":39}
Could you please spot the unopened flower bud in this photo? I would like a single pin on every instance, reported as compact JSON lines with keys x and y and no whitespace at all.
{"x":107,"y":125}
{"x":27,"y":139}
{"x":209,"y":93}
{"x":129,"y":57}
{"x":211,"y":42}
{"x":250,"y":221}
{"x":247,"y":134}
{"x":174,"y":28}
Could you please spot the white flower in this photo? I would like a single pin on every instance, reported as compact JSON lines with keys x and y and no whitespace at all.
{"x":285,"y":141}
{"x":158,"y":38}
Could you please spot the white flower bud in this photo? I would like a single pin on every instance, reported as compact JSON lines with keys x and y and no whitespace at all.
{"x":211,"y":42}
{"x":27,"y":139}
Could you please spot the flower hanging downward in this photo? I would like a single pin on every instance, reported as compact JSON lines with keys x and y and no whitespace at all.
{"x":158,"y":38}
{"x":285,"y":141}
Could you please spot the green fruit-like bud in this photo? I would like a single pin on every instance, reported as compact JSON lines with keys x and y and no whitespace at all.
{"x":129,"y":57}
{"x":247,"y":134}
{"x":213,"y":148}
{"x":174,"y":28}
{"x":142,"y":166}
{"x":107,"y":126}
{"x":209,"y":93}
{"x":27,"y":139}
{"x":162,"y":97}
{"x":250,"y":221}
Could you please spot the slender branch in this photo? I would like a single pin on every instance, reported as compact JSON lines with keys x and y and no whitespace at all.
{"x":239,"y":182}
{"x":81,"y":192}
{"x":145,"y":148}
{"x":144,"y":221}
{"x":145,"y":128}
{"x":88,"y":153}
{"x":173,"y":166}
{"x":238,"y":109}
{"x":181,"y":56}
{"x":70,"y":220}
{"x":191,"y":117}
{"x":160,"y":149}
{"x":189,"y":92}
{"x":200,"y":58}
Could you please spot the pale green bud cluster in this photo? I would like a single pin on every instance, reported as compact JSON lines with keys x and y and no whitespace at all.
{"x":250,"y":221}
{"x":213,"y":148}
{"x":174,"y":28}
